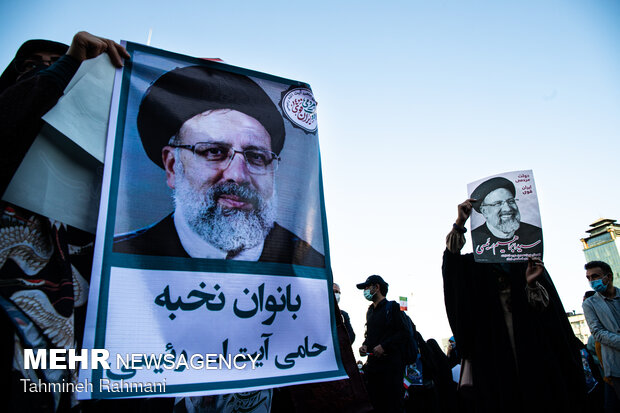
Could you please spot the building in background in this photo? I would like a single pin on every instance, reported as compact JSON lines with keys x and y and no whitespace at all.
{"x":601,"y":244}
{"x":579,"y":325}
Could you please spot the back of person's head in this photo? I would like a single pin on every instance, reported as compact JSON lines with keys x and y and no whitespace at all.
{"x":599,"y":264}
{"x":440,"y":371}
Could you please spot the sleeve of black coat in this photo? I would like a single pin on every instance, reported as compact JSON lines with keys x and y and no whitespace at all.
{"x":459,"y":296}
{"x":21,"y":108}
{"x":347,"y":324}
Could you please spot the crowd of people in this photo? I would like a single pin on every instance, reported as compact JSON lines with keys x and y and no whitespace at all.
{"x":512,"y":350}
{"x":516,"y":349}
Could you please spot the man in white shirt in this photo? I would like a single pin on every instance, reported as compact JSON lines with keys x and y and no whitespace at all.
{"x":602,"y":312}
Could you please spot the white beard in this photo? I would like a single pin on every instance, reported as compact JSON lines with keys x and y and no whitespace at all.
{"x":224,"y":228}
{"x":509,"y":224}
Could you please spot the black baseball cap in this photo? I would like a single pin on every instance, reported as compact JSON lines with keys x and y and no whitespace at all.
{"x":373,"y":279}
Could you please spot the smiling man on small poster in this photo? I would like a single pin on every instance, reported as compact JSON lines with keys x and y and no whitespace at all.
{"x":498,"y":232}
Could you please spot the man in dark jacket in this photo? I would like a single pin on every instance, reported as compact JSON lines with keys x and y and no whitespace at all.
{"x":385,"y":337}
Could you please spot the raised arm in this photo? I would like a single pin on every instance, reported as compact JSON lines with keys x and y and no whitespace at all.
{"x":456,"y":237}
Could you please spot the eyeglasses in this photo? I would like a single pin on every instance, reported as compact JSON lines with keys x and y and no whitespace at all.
{"x":512,"y":202}
{"x":217,"y":155}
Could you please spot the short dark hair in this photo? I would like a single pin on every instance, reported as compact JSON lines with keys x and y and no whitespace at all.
{"x":383,"y":288}
{"x":599,"y":264}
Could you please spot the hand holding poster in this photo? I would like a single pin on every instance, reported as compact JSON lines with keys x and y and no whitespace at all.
{"x":211,"y":262}
{"x":505,"y":220}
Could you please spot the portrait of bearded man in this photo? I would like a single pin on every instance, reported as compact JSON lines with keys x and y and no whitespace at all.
{"x":218,"y":137}
{"x":503,"y":231}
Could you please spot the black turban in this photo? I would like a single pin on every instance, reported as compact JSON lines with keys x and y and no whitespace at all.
{"x":489,"y":186}
{"x":183,"y":93}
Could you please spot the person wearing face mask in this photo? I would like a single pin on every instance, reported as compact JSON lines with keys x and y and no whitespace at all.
{"x":384,"y":339}
{"x":602,"y":312}
{"x":345,"y":315}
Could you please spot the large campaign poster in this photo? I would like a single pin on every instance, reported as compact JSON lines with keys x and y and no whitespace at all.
{"x":212,"y":271}
{"x":505,"y":220}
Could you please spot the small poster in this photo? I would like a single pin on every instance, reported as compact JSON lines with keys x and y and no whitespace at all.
{"x":505,"y":220}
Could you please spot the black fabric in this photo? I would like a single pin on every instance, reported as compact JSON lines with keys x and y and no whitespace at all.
{"x":386,"y":390}
{"x":384,"y":330}
{"x":441,"y":373}
{"x":527,"y":233}
{"x":45,"y":278}
{"x":547,"y":374}
{"x":21,"y":108}
{"x":438,"y":392}
{"x":347,"y":325}
{"x":409,"y":346}
{"x":340,"y":396}
{"x":385,"y":374}
{"x":161,"y":239}
{"x":10,"y":74}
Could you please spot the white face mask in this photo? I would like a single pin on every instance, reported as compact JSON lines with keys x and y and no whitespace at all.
{"x":337,"y":297}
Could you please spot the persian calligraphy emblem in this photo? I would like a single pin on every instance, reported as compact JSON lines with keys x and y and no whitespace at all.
{"x":299,"y":106}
